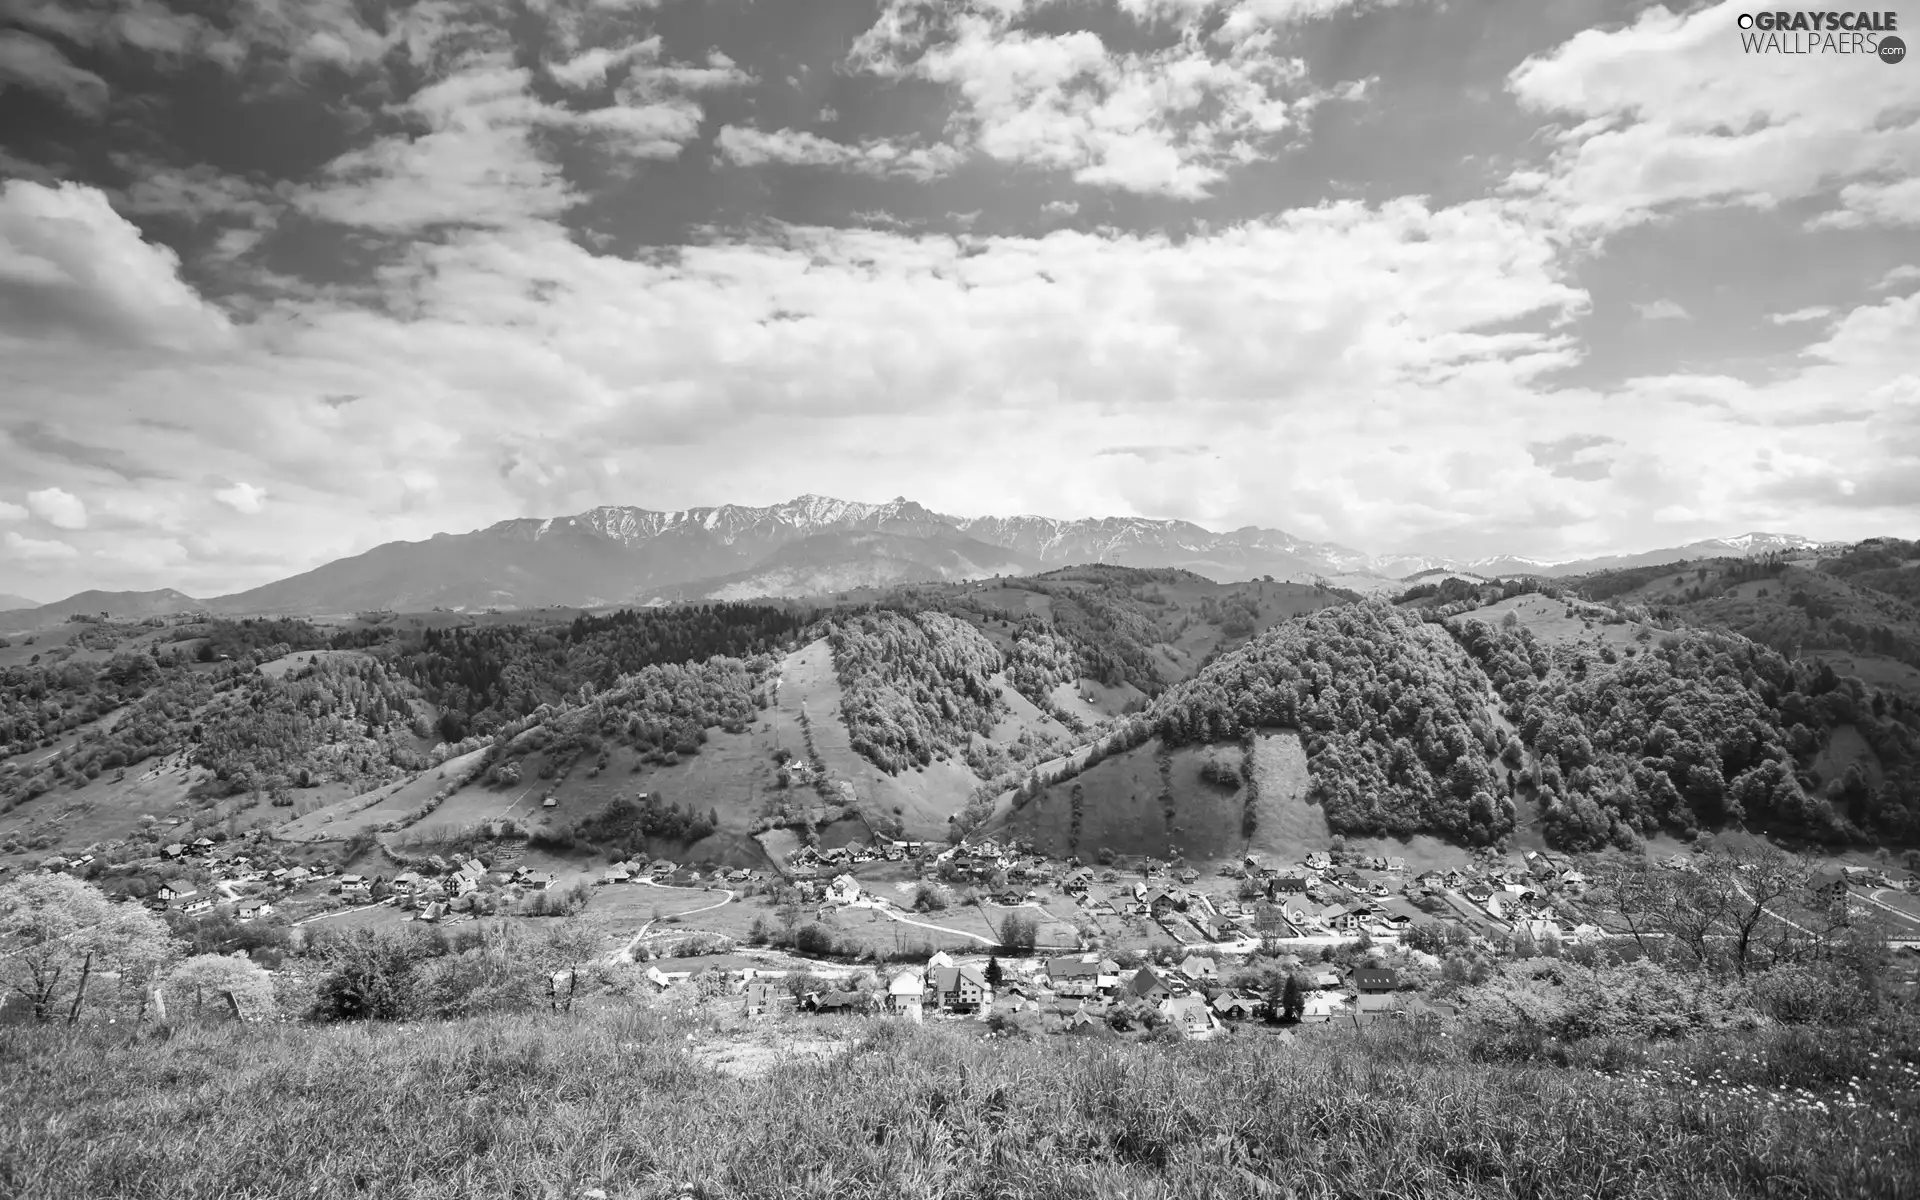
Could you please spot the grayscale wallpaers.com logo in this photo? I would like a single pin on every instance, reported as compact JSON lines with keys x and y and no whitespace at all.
{"x":1823,"y":33}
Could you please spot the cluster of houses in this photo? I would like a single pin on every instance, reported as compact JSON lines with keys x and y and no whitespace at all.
{"x":1084,"y":992}
{"x":667,"y":872}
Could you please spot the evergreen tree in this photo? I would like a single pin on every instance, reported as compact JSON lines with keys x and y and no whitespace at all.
{"x":994,"y":973}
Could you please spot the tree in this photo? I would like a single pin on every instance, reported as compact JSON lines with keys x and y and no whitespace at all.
{"x":214,"y":977}
{"x":57,"y":931}
{"x":994,"y":975}
{"x":1293,"y":999}
{"x":1017,"y":933}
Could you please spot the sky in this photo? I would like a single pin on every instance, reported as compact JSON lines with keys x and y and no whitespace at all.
{"x":281,"y":280}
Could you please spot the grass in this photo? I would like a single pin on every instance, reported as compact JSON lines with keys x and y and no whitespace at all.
{"x":618,"y":1100}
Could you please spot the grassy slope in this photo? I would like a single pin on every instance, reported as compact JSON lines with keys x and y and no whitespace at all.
{"x":622,"y":1102}
{"x":922,"y":799}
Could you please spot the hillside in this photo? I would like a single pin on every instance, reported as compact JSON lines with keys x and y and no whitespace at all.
{"x":840,"y":562}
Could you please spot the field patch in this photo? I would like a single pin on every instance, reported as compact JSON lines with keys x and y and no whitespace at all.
{"x":1286,"y":827}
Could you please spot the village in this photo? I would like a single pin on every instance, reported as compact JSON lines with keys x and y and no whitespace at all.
{"x":1121,"y":944}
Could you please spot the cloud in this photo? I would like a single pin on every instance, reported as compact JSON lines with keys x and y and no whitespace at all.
{"x":37,"y":550}
{"x":475,"y":166}
{"x":242,"y":497}
{"x":1904,"y":273}
{"x":747,"y":147}
{"x":59,"y":508}
{"x":26,"y":61}
{"x":10,"y":511}
{"x":1167,"y":122}
{"x":71,"y":266}
{"x":1670,"y":113}
{"x":1815,"y":312}
{"x":1662,"y":310}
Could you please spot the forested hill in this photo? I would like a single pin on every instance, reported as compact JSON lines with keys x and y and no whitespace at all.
{"x":1688,"y":728}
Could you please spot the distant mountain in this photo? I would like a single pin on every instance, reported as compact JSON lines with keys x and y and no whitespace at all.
{"x":121,"y":606}
{"x":811,"y":545}
{"x":1138,"y":542}
{"x":842,"y":562}
{"x":1746,"y":545}
{"x":9,"y":601}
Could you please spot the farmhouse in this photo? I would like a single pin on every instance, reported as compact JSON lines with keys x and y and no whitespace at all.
{"x":1190,"y":1014}
{"x":1147,"y":985}
{"x":176,"y":889}
{"x":959,"y":989}
{"x":1374,"y":979}
{"x":906,"y":992}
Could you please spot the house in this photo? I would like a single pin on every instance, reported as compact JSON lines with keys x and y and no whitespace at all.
{"x":1191,"y":1014}
{"x":538,"y":881}
{"x":1077,"y":882}
{"x":198,"y":906}
{"x":1197,"y":969}
{"x":1287,"y":885}
{"x":836,"y":1002}
{"x":175,"y":850}
{"x":407,"y":882}
{"x":202,"y":845}
{"x":1235,"y":1006}
{"x":1396,"y":864}
{"x":255,"y":909}
{"x":1080,"y":975}
{"x":1341,"y":917}
{"x":549,"y":802}
{"x":1374,"y":979}
{"x":763,"y":999}
{"x":1319,"y":860}
{"x":906,"y":993}
{"x":1324,"y":980}
{"x":959,"y":989}
{"x":296,"y":876}
{"x":356,"y":887}
{"x":1148,"y":985}
{"x":434,"y":911}
{"x":1321,"y":1006}
{"x":176,"y":889}
{"x":617,"y":873}
{"x":843,"y":890}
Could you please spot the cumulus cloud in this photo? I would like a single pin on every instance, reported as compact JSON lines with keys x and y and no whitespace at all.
{"x":1669,"y":113}
{"x":242,"y":497}
{"x":58,"y":507}
{"x":1166,"y":122}
{"x":29,"y":549}
{"x":10,"y":511}
{"x":71,"y":266}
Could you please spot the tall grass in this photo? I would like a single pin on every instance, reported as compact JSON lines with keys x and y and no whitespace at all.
{"x":614,"y":1100}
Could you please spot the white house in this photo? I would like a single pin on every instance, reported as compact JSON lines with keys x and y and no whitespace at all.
{"x":906,"y":993}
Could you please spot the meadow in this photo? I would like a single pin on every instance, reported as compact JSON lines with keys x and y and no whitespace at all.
{"x":622,"y":1102}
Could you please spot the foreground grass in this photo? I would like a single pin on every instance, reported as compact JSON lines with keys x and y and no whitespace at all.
{"x":614,"y":1101}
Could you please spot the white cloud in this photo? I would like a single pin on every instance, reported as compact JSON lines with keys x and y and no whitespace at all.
{"x":1904,"y":273}
{"x":58,"y":507}
{"x":1164,"y":122}
{"x":746,"y":147}
{"x":36,"y":549}
{"x":1662,"y":310}
{"x":71,"y":266}
{"x":27,"y":61}
{"x":1671,"y":112}
{"x":10,"y":511}
{"x":242,"y":497}
{"x":1815,"y":312}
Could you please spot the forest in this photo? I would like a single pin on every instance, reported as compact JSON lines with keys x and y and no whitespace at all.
{"x":1393,"y":713}
{"x":483,"y":678}
{"x":915,"y":687}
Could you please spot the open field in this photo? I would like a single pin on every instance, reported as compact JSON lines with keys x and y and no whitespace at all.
{"x":281,"y":667}
{"x":518,"y":1106}
{"x":370,"y":810}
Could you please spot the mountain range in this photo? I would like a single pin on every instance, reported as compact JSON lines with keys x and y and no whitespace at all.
{"x":812,"y":545}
